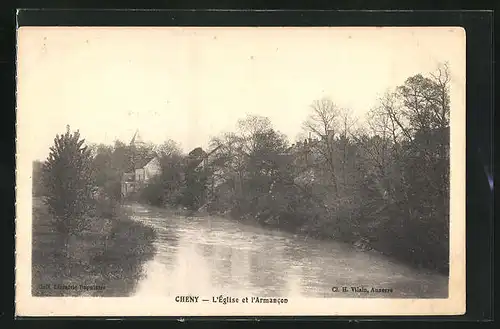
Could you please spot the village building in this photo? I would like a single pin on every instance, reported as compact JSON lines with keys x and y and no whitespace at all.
{"x":200,"y":161}
{"x":144,"y":168}
{"x":304,"y":153}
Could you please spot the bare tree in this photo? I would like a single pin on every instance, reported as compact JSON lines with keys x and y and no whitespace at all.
{"x":169,"y":148}
{"x":230,"y":159}
{"x":248,"y":128}
{"x":383,"y":146}
{"x":347,"y":124}
{"x":324,"y":123}
{"x":441,"y":96}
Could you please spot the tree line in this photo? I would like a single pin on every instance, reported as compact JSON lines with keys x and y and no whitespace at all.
{"x":383,"y":184}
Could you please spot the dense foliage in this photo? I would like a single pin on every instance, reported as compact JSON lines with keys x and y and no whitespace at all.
{"x":382,"y":185}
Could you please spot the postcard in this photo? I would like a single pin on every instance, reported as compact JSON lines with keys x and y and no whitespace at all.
{"x":240,"y":171}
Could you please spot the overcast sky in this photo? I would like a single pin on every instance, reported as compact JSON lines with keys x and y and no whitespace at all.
{"x":189,"y":84}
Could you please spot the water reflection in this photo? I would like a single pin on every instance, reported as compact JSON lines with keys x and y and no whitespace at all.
{"x":211,"y":255}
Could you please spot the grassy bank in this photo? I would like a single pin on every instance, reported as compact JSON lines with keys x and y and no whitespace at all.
{"x":109,"y":254}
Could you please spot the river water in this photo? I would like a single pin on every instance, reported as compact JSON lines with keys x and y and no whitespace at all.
{"x":214,"y":255}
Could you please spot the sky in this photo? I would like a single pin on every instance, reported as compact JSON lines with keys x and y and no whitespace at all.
{"x":188,"y":84}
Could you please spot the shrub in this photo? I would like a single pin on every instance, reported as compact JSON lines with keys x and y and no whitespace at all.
{"x":153,"y":193}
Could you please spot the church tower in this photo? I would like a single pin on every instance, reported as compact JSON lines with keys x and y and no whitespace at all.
{"x":137,"y":140}
{"x":136,"y":149}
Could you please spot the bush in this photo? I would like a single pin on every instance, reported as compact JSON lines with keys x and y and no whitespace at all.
{"x":153,"y":193}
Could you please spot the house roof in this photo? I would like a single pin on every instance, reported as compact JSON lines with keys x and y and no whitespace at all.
{"x":143,"y":162}
{"x":197,"y":153}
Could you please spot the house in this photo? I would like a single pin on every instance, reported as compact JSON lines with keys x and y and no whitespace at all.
{"x":143,"y":172}
{"x":144,"y":169}
{"x":198,"y":159}
{"x":195,"y":158}
{"x":305,"y":153}
{"x":147,"y":169}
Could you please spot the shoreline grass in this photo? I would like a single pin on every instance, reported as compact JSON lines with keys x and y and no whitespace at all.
{"x":109,"y":254}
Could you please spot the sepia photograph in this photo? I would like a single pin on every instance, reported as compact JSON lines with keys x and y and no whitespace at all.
{"x":240,"y":171}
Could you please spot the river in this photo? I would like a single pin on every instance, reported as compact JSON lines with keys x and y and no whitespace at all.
{"x":215,"y":255}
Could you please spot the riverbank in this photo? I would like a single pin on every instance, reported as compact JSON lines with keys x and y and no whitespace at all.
{"x":387,"y":243}
{"x":104,"y":259}
{"x":392,"y":241}
{"x":245,"y":258}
